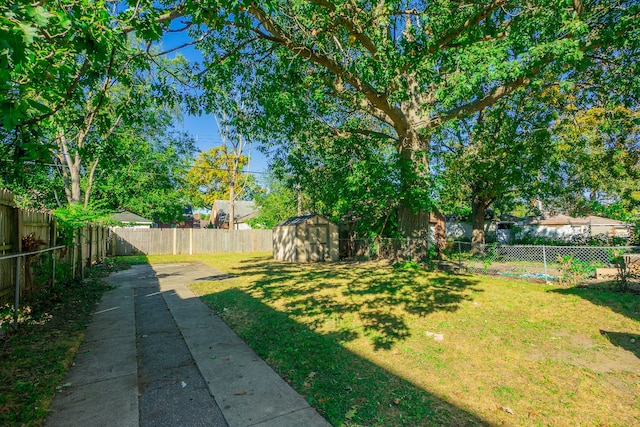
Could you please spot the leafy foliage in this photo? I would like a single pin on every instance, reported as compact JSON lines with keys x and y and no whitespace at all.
{"x":211,"y":174}
{"x":275,"y":205}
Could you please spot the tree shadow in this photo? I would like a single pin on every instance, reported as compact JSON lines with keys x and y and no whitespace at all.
{"x":627,"y":304}
{"x":379,"y":297}
{"x":624,"y":340}
{"x":346,"y":388}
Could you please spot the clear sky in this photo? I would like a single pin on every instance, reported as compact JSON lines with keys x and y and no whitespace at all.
{"x":203,"y":128}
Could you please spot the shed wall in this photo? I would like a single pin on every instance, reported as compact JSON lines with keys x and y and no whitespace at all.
{"x":316,"y":239}
{"x":284,"y":240}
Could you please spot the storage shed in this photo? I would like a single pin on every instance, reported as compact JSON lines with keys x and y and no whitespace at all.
{"x":307,"y":238}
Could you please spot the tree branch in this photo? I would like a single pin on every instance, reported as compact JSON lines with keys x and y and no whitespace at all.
{"x":375,"y":99}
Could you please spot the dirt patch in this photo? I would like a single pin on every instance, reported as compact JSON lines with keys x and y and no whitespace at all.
{"x":586,"y":353}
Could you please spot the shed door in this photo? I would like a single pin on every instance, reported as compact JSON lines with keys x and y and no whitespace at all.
{"x":318,"y":242}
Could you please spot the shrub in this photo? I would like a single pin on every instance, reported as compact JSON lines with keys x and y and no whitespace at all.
{"x":574,"y":270}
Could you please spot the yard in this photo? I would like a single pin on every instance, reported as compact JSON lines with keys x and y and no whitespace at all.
{"x":376,"y":344}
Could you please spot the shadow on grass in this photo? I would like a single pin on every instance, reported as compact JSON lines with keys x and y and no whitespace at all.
{"x":627,"y":304}
{"x":344,"y":387}
{"x":629,"y":342}
{"x":380,"y":297}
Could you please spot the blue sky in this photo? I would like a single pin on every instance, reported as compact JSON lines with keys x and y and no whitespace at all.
{"x":203,"y":128}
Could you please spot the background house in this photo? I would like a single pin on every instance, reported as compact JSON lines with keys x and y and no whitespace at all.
{"x":129,"y":219}
{"x":610,"y":227}
{"x":307,"y":238}
{"x":243,"y":211}
{"x":459,"y":227}
{"x":565,"y":227}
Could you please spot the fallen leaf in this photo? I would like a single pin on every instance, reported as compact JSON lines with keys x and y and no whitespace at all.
{"x":507,"y":410}
{"x":350,"y":414}
{"x":240,"y":393}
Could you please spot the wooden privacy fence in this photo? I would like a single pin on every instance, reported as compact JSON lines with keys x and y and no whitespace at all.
{"x":187,"y":241}
{"x":25,"y":232}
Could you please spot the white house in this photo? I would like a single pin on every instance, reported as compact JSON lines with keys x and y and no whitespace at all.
{"x":131,"y":220}
{"x":564,"y":226}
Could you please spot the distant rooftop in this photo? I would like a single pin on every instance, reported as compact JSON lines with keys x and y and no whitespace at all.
{"x":242,"y":208}
{"x":127,"y":217}
{"x":568,"y":220}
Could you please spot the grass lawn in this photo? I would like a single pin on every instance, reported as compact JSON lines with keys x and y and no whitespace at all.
{"x":372,"y":344}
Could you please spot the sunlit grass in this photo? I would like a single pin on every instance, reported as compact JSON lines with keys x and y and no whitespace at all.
{"x":370,"y":344}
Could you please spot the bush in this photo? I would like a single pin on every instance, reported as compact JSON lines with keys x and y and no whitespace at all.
{"x":574,"y":270}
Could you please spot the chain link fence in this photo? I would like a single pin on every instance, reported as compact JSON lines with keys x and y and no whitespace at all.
{"x":565,"y":263}
{"x":390,"y":249}
{"x":541,"y":262}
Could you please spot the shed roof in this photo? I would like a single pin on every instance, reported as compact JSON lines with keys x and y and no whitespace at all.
{"x":296,"y":220}
{"x":129,"y":218}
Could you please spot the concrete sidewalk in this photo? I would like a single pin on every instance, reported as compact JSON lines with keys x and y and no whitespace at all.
{"x":155,"y":355}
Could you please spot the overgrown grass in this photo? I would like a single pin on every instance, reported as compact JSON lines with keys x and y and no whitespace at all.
{"x":373,"y":344}
{"x":34,"y":360}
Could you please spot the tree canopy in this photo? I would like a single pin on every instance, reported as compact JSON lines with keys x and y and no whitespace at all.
{"x":349,"y":92}
{"x":411,"y":67}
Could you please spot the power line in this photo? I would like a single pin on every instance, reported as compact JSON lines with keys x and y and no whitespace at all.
{"x":193,"y":166}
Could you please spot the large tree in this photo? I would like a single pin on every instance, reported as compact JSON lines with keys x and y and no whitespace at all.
{"x":500,"y":152}
{"x":72,"y":77}
{"x":217,"y":174}
{"x":600,"y":157}
{"x":412,"y":66}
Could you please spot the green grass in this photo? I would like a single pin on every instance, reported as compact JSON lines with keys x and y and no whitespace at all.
{"x":34,"y":360}
{"x":360,"y":341}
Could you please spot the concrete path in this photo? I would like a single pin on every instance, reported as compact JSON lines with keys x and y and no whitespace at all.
{"x":155,"y":355}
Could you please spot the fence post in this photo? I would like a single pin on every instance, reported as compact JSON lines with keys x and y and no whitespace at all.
{"x":90,"y":229}
{"x":544,"y":260}
{"x":408,"y":249}
{"x":175,"y":237}
{"x":18,"y":249}
{"x":81,"y":251}
{"x":459,"y":255}
{"x":74,"y":247}
{"x":52,"y":243}
{"x":16,"y":300}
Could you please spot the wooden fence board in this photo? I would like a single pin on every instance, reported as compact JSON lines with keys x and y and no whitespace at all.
{"x":16,"y":224}
{"x":184,"y":241}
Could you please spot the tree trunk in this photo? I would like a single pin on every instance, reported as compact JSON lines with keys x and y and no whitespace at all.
{"x":413,"y":217}
{"x":232,"y":205}
{"x":479,"y":209}
{"x":71,"y":167}
{"x":74,"y":174}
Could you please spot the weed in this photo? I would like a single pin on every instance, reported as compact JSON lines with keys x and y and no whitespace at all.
{"x":574,"y":270}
